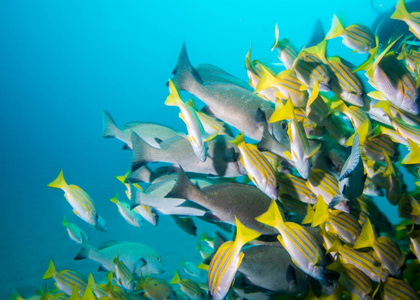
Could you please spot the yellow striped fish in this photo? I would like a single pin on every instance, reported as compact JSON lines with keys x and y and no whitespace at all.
{"x":397,"y":289}
{"x":274,"y":160}
{"x":406,"y":130}
{"x":82,"y":204}
{"x":301,"y":245}
{"x":375,"y":147}
{"x":259,"y":169}
{"x":287,"y":53}
{"x":316,"y":107}
{"x":97,"y":289}
{"x":131,"y":216}
{"x":211,"y":125}
{"x":189,"y":287}
{"x":124,"y":276}
{"x":226,"y":261}
{"x":356,"y":37}
{"x":411,"y":59}
{"x":412,"y":19}
{"x":66,"y":280}
{"x":385,"y":250}
{"x":295,"y":187}
{"x":356,"y":115}
{"x":324,"y":184}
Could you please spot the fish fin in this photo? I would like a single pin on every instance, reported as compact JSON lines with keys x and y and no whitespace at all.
{"x":335,"y":246}
{"x":176,"y":279}
{"x":173,"y":99}
{"x":183,"y":187}
{"x":59,"y":182}
{"x":267,"y":80}
{"x":285,"y":112}
{"x":362,"y":131}
{"x":314,"y":150}
{"x":115,"y":199}
{"x":185,"y":75}
{"x":126,"y":147}
{"x":314,"y":94}
{"x":238,"y":140}
{"x":110,"y":130}
{"x":377,"y":95}
{"x":413,"y":157}
{"x":241,"y":256}
{"x":276,"y":35}
{"x":309,"y":217}
{"x":336,"y":29}
{"x":366,"y":237}
{"x":65,"y":222}
{"x":318,"y":34}
{"x":203,"y":266}
{"x":353,"y":160}
{"x":288,"y":155}
{"x":272,"y":216}
{"x":244,"y":234}
{"x":84,"y":250}
{"x":380,"y":56}
{"x":415,"y":207}
{"x":337,"y":200}
{"x":335,"y":266}
{"x":401,"y":12}
{"x":389,"y":167}
{"x":212,"y":136}
{"x":142,"y":152}
{"x":51,"y":271}
{"x":260,"y":117}
{"x":319,"y":50}
{"x":101,"y":268}
{"x":321,"y":213}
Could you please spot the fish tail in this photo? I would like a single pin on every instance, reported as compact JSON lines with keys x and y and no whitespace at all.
{"x":173,"y":99}
{"x":186,"y":76}
{"x":110,"y":130}
{"x":336,"y":29}
{"x":51,"y":271}
{"x":142,"y":152}
{"x":183,"y":188}
{"x":321,"y":213}
{"x":136,"y":196}
{"x":115,"y":199}
{"x":366,"y":237}
{"x":272,"y":216}
{"x":176,"y":279}
{"x":401,"y":12}
{"x":91,"y":281}
{"x":59,"y":182}
{"x":239,"y":139}
{"x":84,"y":250}
{"x":267,"y":80}
{"x":244,"y":234}
{"x":413,"y":157}
{"x":285,"y":112}
{"x":65,"y":222}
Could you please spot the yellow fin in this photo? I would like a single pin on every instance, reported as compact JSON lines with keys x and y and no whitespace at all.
{"x":314,"y":150}
{"x":288,"y":155}
{"x":272,"y":216}
{"x":314,"y":94}
{"x":319,"y":50}
{"x":377,"y":95}
{"x":336,"y":29}
{"x":203,"y":266}
{"x":59,"y":182}
{"x":238,"y":140}
{"x":309,"y":215}
{"x":123,"y":177}
{"x":173,"y":99}
{"x":413,"y":157}
{"x":51,"y":271}
{"x":276,"y":34}
{"x":267,"y":80}
{"x":415,"y":207}
{"x":115,"y":199}
{"x":283,"y":113}
{"x":244,"y":234}
{"x":321,"y":214}
{"x":389,"y":167}
{"x":366,"y":237}
{"x":401,"y":12}
{"x":177,"y":279}
{"x":380,"y":56}
{"x":335,"y":247}
{"x":362,"y":130}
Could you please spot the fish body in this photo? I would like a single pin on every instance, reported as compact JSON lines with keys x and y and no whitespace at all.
{"x":412,"y":19}
{"x":76,"y":233}
{"x":80,"y":201}
{"x":158,"y":289}
{"x":399,"y":289}
{"x":310,"y":69}
{"x":189,"y":287}
{"x":123,"y":275}
{"x":66,"y":280}
{"x":131,"y":216}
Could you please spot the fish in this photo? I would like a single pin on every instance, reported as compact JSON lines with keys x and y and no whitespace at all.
{"x":66,"y":280}
{"x":301,"y":245}
{"x":295,"y":187}
{"x":242,"y":105}
{"x":139,"y":258}
{"x":191,"y":269}
{"x":398,"y":289}
{"x":186,"y":224}
{"x":189,"y":287}
{"x":287,"y":53}
{"x":158,"y":289}
{"x":357,"y":37}
{"x":75,"y":232}
{"x":150,"y":132}
{"x":411,"y":19}
{"x":258,"y":168}
{"x":123,"y":275}
{"x":225,"y":201}
{"x":179,"y":151}
{"x":131,"y":216}
{"x":226,"y":261}
{"x":82,"y":204}
{"x":411,"y":58}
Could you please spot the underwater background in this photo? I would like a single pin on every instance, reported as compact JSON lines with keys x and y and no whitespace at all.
{"x":63,"y":62}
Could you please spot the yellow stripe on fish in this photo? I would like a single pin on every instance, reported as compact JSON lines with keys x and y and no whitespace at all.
{"x":397,"y":289}
{"x":296,"y":187}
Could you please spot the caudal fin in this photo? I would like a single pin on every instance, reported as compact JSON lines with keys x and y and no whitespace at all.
{"x":183,"y":188}
{"x":142,"y":152}
{"x":244,"y":234}
{"x":110,"y":130}
{"x":186,"y":76}
{"x":59,"y":182}
{"x":51,"y":271}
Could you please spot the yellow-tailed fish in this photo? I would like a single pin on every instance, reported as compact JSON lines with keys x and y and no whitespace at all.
{"x":191,"y":269}
{"x":287,"y":53}
{"x":124,"y":276}
{"x":377,"y":145}
{"x":345,"y":83}
{"x":299,"y":153}
{"x":356,"y":37}
{"x":76,"y":233}
{"x":316,"y":107}
{"x":413,"y":157}
{"x":211,"y":125}
{"x":82,"y":204}
{"x":385,"y":250}
{"x":98,"y":289}
{"x":415,"y":244}
{"x":66,"y":280}
{"x":364,"y":261}
{"x":393,"y":182}
{"x":397,"y":289}
{"x":356,"y":115}
{"x":406,"y":130}
{"x":274,"y":160}
{"x":131,"y":216}
{"x":356,"y":282}
{"x":189,"y":287}
{"x":259,"y":169}
{"x":324,"y":184}
{"x":412,"y":58}
{"x":393,"y":135}
{"x":412,"y":19}
{"x":301,"y":245}
{"x":295,"y":187}
{"x":225,"y":262}
{"x":194,"y":126}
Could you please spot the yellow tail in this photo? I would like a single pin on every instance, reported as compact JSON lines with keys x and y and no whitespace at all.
{"x":336,"y":29}
{"x":243,"y":234}
{"x":59,"y":182}
{"x":51,"y":271}
{"x":366,"y":237}
{"x":413,"y":157}
{"x":177,"y":279}
{"x":401,"y":12}
{"x":115,"y":199}
{"x":173,"y":99}
{"x":272,"y":216}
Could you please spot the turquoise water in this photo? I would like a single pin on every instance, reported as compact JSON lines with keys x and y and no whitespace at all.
{"x":63,"y":62}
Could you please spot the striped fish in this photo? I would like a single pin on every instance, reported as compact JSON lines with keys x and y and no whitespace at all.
{"x":356,"y":115}
{"x":274,"y":160}
{"x":299,"y":153}
{"x":415,"y":244}
{"x":124,"y":276}
{"x":98,"y":289}
{"x":296,"y":187}
{"x":411,"y":59}
{"x":189,"y":287}
{"x":376,"y":146}
{"x":131,"y":216}
{"x":385,"y":250}
{"x":66,"y":280}
{"x":211,"y":125}
{"x":287,"y":53}
{"x":356,"y":37}
{"x":226,"y":262}
{"x":397,"y":289}
{"x":316,"y":107}
{"x":300,"y":244}
{"x":406,"y":130}
{"x":324,"y":184}
{"x":82,"y":204}
{"x":194,"y":126}
{"x":356,"y":282}
{"x":259,"y":169}
{"x":412,"y":19}
{"x":364,"y":261}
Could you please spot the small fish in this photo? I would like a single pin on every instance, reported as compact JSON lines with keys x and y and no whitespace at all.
{"x":301,"y":245}
{"x":123,"y":275}
{"x":75,"y":232}
{"x":258,"y":168}
{"x":191,"y":268}
{"x":411,"y":59}
{"x":189,"y":287}
{"x":357,"y":37}
{"x":397,"y":289}
{"x":131,"y":216}
{"x":227,"y":260}
{"x":66,"y":280}
{"x":296,"y":187}
{"x":98,"y":289}
{"x":287,"y":53}
{"x":194,"y":126}
{"x":82,"y":204}
{"x":158,"y":289}
{"x":412,"y":19}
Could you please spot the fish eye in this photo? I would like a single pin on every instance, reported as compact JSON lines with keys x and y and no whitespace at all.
{"x":284,"y":125}
{"x":158,"y":258}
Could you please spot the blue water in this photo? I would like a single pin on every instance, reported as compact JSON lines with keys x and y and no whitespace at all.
{"x":63,"y":62}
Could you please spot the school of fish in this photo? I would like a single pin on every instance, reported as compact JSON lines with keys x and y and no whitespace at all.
{"x":290,"y":161}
